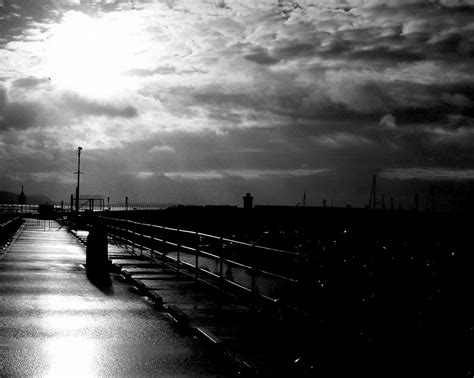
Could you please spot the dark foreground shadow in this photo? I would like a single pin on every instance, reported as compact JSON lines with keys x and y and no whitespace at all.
{"x":101,"y":280}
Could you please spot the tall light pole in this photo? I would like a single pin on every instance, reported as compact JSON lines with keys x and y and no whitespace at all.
{"x":79,"y":149}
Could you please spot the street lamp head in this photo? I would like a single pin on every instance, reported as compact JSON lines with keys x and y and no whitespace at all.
{"x":79,"y":148}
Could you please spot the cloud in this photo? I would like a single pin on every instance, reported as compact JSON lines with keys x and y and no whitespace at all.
{"x":3,"y":98}
{"x":249,"y":174}
{"x":203,"y":175}
{"x":430,"y":174}
{"x":144,"y":175}
{"x":339,"y":140}
{"x":160,"y":70}
{"x":30,"y":82}
{"x":62,"y":177}
{"x":260,"y":55}
{"x":84,"y":106}
{"x":159,"y":149}
{"x":19,"y":115}
{"x":457,"y":100}
{"x":388,"y":121}
{"x":52,"y":108}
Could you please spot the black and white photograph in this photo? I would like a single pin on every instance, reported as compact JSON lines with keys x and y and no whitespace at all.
{"x":236,"y":188}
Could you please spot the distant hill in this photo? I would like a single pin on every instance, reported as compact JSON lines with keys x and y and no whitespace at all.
{"x":33,"y":199}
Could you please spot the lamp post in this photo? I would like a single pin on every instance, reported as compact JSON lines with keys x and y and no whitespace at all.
{"x":79,"y":149}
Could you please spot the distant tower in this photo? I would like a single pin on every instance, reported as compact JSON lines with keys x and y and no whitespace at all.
{"x":22,"y":197}
{"x":248,"y":201}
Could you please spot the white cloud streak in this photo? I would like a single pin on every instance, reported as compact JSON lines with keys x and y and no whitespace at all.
{"x":430,"y":174}
{"x":249,"y":174}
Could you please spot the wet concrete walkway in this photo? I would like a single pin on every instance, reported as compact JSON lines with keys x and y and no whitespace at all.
{"x":54,"y":322}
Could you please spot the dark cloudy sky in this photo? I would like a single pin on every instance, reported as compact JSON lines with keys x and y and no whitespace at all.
{"x":201,"y":101}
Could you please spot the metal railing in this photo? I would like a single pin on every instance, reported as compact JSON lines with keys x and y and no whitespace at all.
{"x":9,"y":223}
{"x":8,"y":227}
{"x":207,"y":257}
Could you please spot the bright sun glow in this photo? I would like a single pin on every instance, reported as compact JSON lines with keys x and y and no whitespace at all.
{"x":90,"y":55}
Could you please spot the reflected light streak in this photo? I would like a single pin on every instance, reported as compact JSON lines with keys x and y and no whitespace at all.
{"x":67,"y":353}
{"x":68,"y":303}
{"x":70,"y":357}
{"x":66,"y":322}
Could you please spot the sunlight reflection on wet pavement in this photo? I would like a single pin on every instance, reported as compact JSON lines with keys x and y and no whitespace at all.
{"x":71,"y":355}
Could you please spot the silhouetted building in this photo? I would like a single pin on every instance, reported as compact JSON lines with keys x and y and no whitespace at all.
{"x":22,"y":197}
{"x":248,"y":201}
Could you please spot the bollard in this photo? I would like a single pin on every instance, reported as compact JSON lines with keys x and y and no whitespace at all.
{"x":97,"y":259}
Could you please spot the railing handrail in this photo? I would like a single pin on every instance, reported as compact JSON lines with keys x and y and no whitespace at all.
{"x":207,"y":254}
{"x":209,"y":236}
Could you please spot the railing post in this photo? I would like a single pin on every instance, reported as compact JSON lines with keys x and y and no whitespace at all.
{"x":119,"y":233}
{"x":254,"y":284}
{"x":141,"y":240}
{"x":196,"y":264}
{"x":164,"y":245}
{"x":151,"y":247}
{"x":253,"y":271}
{"x":177,"y":260}
{"x":221,"y":261}
{"x":178,"y":246}
{"x":132,"y":228}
